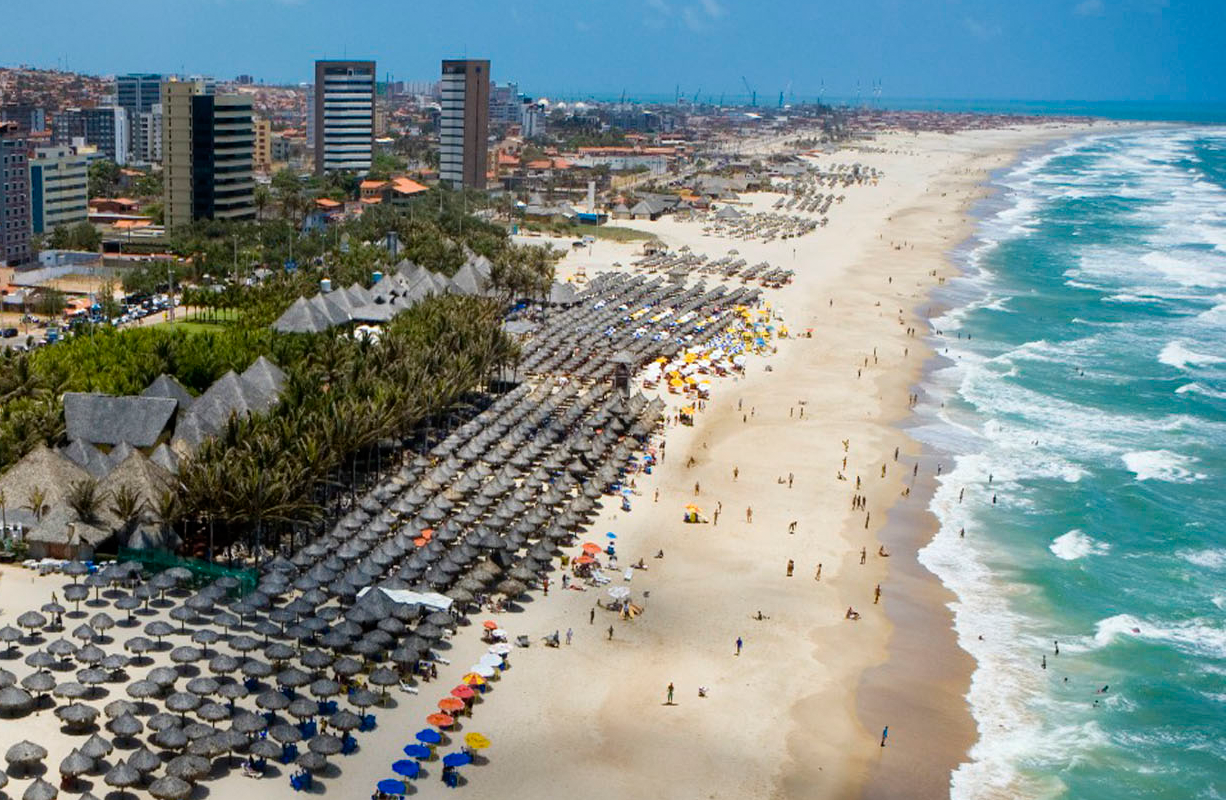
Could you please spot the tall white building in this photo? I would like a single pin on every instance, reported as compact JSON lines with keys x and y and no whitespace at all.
{"x":344,"y":115}
{"x":59,"y":183}
{"x":150,"y":139}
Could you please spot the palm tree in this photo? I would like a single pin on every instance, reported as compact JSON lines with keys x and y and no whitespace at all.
{"x":127,"y":506}
{"x":85,"y":500}
{"x":36,"y":502}
{"x":168,"y":510}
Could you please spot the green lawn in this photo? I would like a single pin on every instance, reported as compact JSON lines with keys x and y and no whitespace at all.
{"x":611,"y":232}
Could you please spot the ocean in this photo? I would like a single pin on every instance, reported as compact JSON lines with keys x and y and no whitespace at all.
{"x":1078,"y":405}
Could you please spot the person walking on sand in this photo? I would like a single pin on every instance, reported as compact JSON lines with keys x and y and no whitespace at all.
{"x":792,"y":526}
{"x":863,"y":555}
{"x":736,"y":473}
{"x":670,"y":693}
{"x":791,"y":566}
{"x":818,"y":575}
{"x":696,"y":488}
{"x":715,"y":517}
{"x":739,"y":643}
{"x":790,"y":477}
{"x":749,"y":514}
{"x":885,"y":734}
{"x":591,"y":617}
{"x":877,"y":594}
{"x":610,"y":633}
{"x":656,"y":498}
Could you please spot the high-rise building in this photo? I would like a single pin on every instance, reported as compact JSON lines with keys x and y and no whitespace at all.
{"x":505,"y":104}
{"x":105,"y":127}
{"x":207,"y":146}
{"x":533,"y":124}
{"x":14,"y":196}
{"x":59,"y":188}
{"x":137,"y":94}
{"x":261,"y":157}
{"x":29,"y":117}
{"x":151,"y":135}
{"x":465,"y":122}
{"x":344,"y":115}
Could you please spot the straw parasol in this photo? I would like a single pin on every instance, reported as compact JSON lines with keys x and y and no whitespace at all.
{"x":325,"y":744}
{"x":168,"y":787}
{"x":18,"y":701}
{"x":285,"y":734}
{"x":40,"y":790}
{"x":77,"y":714}
{"x":170,"y":738}
{"x":161,"y":721}
{"x":265,"y":748}
{"x":313,"y":762}
{"x":76,"y":763}
{"x":188,"y":767}
{"x":96,"y":747}
{"x":25,"y":753}
{"x":144,"y":761}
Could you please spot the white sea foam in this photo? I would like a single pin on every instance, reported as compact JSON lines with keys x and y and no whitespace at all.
{"x":1175,"y":354}
{"x":1130,"y":298}
{"x":1161,"y":465}
{"x":1196,"y":388}
{"x":1186,"y":272}
{"x":1076,"y":544}
{"x":1197,"y":636}
{"x":1210,"y":559}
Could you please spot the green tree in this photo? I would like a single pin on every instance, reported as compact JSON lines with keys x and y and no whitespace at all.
{"x":128,"y":507}
{"x":50,"y":302}
{"x":85,"y":499}
{"x":103,"y":178}
{"x":106,"y":300}
{"x":263,"y":197}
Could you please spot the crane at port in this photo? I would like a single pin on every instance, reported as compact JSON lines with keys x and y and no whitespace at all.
{"x":753,"y":96}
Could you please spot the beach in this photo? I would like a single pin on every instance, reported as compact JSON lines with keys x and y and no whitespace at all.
{"x":799,"y":710}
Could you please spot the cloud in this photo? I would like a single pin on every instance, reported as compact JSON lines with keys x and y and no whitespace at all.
{"x":981,"y":30}
{"x":659,"y":6}
{"x":1089,"y":8}
{"x":713,"y":8}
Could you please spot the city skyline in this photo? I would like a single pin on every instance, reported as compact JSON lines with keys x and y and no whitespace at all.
{"x":1047,"y":50}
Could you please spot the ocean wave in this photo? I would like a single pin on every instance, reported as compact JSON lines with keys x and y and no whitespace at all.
{"x":1196,"y":388}
{"x":1130,"y":298}
{"x":1211,"y":559}
{"x":1076,"y":544}
{"x":1176,"y":355}
{"x":1197,"y":636}
{"x":1199,"y":273}
{"x":1161,"y":465}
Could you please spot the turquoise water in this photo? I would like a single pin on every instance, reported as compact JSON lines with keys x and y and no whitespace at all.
{"x":1084,"y":387}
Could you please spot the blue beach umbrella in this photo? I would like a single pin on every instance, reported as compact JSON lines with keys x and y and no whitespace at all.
{"x":457,"y":759}
{"x":418,"y":751}
{"x":429,"y":736}
{"x":611,"y":535}
{"x":389,"y":786}
{"x":407,"y":768}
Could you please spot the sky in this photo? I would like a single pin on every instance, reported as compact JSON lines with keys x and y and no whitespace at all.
{"x":1053,"y":50}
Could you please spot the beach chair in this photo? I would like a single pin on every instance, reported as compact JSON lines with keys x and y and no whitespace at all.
{"x":452,"y":779}
{"x":296,"y":782}
{"x":407,"y":689}
{"x":522,"y":641}
{"x":348,"y":745}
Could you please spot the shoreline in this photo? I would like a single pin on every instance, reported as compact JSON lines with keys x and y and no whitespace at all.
{"x":927,"y":675}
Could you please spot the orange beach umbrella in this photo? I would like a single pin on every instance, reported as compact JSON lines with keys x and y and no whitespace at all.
{"x":440,"y":720}
{"x":450,"y":704}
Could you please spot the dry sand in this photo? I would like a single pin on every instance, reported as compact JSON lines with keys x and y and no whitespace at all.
{"x":782,"y":719}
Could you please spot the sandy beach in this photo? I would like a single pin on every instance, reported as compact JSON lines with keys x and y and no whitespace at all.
{"x":799,"y":711}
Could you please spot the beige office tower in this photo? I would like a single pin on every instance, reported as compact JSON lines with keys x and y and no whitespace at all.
{"x":208,"y":146}
{"x":465,"y":123}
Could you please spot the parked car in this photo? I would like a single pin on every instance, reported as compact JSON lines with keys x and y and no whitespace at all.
{"x":10,"y":333}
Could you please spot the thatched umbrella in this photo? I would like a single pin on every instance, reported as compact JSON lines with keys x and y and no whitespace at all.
{"x":293,"y":678}
{"x":122,"y":775}
{"x":77,"y":714}
{"x":71,"y":690}
{"x":117,"y":708}
{"x":143,"y":689}
{"x":325,"y":744}
{"x":313,"y":762}
{"x":223,"y":664}
{"x":303,"y":708}
{"x":168,"y":787}
{"x":162,"y":720}
{"x":182,"y":702}
{"x":325,"y":687}
{"x":207,"y":746}
{"x":213,"y":712}
{"x":186,"y":654}
{"x":272,"y":700}
{"x":363,"y":698}
{"x":144,"y":761}
{"x":285,"y":734}
{"x":126,"y":726}
{"x":345,"y":720}
{"x":18,"y":701}
{"x":247,"y":723}
{"x":265,"y":748}
{"x":170,"y":738}
{"x":163,"y":676}
{"x":233,"y":691}
{"x":25,"y":753}
{"x":254,"y":668}
{"x":40,"y":790}
{"x":76,"y":763}
{"x":138,"y":644}
{"x":102,"y":622}
{"x":203,"y":686}
{"x":96,"y":747}
{"x":346,"y":667}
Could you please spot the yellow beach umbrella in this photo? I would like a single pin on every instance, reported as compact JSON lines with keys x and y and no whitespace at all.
{"x":476,"y":741}
{"x":473,"y":679}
